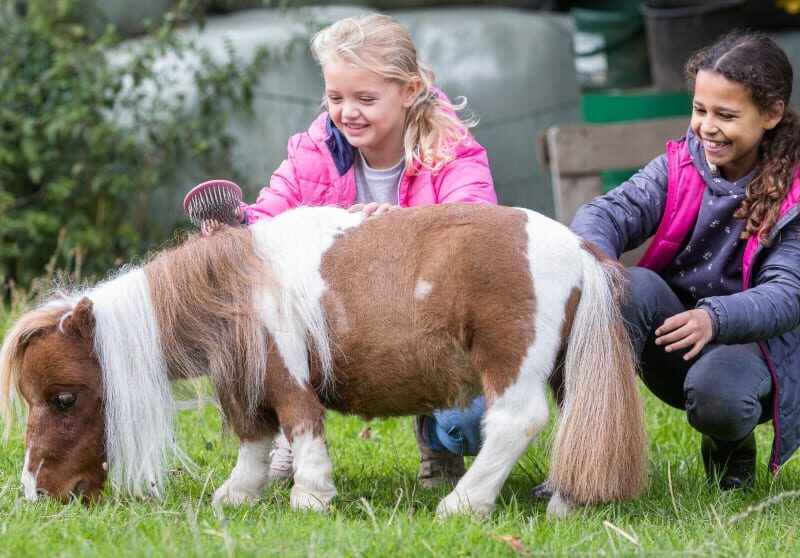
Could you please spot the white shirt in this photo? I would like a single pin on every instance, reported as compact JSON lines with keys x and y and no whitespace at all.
{"x":377,"y":185}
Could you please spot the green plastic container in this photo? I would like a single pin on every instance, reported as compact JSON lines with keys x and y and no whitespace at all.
{"x":609,"y":45}
{"x":626,"y":106}
{"x":622,"y":106}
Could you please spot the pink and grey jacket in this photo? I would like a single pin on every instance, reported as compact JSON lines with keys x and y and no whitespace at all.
{"x":319,"y":171}
{"x":662,"y":200}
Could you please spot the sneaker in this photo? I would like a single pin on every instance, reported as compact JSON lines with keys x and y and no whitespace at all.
{"x":281,"y":459}
{"x":731,"y":464}
{"x":435,"y":467}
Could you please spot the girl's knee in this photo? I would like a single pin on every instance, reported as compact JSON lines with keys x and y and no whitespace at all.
{"x":650,"y":299}
{"x":727,"y":391}
{"x":720,"y":416}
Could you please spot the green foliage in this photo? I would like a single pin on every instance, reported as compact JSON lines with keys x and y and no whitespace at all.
{"x":75,"y":182}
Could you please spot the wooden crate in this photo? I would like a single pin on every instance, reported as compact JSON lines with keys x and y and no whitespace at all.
{"x":577,"y":154}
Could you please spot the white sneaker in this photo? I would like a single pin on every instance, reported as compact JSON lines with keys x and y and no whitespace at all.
{"x":281,"y":460}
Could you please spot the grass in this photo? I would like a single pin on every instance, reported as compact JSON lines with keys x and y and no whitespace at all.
{"x":381,"y":512}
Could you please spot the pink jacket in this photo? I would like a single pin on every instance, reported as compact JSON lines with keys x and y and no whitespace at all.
{"x":310,"y":176}
{"x":684,"y":195}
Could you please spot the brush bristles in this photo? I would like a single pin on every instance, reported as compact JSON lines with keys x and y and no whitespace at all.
{"x":215,"y":203}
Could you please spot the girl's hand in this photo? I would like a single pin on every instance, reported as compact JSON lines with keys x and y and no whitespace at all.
{"x":210,"y":226}
{"x":692,"y":328}
{"x":372,"y":208}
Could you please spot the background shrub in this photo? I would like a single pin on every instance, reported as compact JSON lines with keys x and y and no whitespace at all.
{"x":75,"y":183}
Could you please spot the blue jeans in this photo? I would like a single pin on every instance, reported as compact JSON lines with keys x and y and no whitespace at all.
{"x":726,"y":390}
{"x":456,"y":430}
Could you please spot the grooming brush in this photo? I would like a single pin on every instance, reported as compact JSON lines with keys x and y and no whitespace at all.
{"x":213,"y":200}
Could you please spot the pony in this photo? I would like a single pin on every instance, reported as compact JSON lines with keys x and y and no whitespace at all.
{"x":319,"y":308}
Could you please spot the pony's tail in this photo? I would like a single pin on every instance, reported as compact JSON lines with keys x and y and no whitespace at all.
{"x":600,"y":452}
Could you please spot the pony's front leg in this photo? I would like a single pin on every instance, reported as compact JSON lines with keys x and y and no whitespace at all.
{"x":250,"y":474}
{"x":509,"y":426}
{"x":313,"y":472}
{"x":302,"y":417}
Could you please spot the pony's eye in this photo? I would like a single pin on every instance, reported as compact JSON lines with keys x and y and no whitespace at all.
{"x":65,"y":400}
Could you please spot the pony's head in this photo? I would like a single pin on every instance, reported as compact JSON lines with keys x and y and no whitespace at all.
{"x":48,"y":358}
{"x":96,"y":366}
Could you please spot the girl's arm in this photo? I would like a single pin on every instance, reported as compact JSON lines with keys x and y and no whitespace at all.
{"x":772,"y":306}
{"x":467,"y":178}
{"x":624,"y":218}
{"x":284,"y":190}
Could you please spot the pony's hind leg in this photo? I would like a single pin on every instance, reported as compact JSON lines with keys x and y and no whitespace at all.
{"x":559,"y":506}
{"x":510,"y":424}
{"x":250,"y":474}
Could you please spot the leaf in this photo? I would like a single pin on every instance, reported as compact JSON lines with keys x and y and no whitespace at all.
{"x":35,"y":173}
{"x":515,"y":543}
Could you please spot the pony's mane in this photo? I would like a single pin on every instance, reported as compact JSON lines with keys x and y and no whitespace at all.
{"x":46,"y":316}
{"x":188,"y":312}
{"x":205,"y":301}
{"x":139,"y":408}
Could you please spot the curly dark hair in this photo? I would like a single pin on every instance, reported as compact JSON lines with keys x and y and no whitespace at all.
{"x":755,"y":61}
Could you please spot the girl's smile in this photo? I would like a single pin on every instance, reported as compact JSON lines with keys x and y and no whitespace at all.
{"x":715,"y":147}
{"x":352,"y":129}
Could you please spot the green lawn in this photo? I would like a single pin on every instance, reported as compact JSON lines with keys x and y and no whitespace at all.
{"x":381,"y":512}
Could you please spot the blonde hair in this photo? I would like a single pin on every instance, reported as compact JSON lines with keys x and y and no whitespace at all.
{"x":378,"y":44}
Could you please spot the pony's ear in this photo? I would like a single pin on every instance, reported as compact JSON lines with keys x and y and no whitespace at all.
{"x":80,"y":322}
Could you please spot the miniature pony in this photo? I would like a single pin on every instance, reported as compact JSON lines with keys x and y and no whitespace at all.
{"x":320,"y":308}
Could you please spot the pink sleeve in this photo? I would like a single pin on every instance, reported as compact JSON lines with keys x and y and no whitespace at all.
{"x":283,"y":191}
{"x":467,"y":179}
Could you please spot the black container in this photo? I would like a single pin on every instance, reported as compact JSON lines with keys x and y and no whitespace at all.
{"x":676,"y":29}
{"x":768,"y":15}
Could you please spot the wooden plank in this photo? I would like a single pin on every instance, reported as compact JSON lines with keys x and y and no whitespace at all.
{"x":587,"y":149}
{"x":576,"y":155}
{"x":571,"y":192}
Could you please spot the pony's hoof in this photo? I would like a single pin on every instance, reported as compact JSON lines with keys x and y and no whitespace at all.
{"x":455,"y":503}
{"x":304,"y":500}
{"x":559,"y":506}
{"x":230,"y":495}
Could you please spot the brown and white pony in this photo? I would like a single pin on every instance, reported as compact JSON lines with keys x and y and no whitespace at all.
{"x":320,"y":308}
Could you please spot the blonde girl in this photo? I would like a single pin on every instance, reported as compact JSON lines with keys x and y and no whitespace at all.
{"x":387,"y":138}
